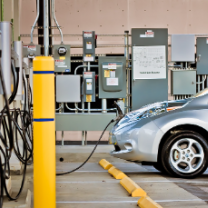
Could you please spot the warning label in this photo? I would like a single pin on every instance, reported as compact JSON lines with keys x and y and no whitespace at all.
{"x":112,"y":66}
{"x":60,"y":63}
{"x":87,"y":74}
{"x":88,"y":34}
{"x":148,"y":34}
{"x":112,"y":81}
{"x":32,"y":47}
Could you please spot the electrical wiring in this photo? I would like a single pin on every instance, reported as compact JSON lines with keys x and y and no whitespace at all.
{"x":15,"y":133}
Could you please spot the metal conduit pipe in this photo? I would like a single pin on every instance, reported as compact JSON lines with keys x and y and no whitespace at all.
{"x":71,"y":109}
{"x":54,"y":17}
{"x":202,"y":82}
{"x":82,"y":66}
{"x":60,"y":107}
{"x":46,"y":28}
{"x":77,"y":108}
{"x":37,"y":17}
{"x":104,"y":105}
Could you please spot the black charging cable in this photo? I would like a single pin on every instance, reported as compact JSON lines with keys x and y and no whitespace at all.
{"x":59,"y":174}
{"x":15,"y":124}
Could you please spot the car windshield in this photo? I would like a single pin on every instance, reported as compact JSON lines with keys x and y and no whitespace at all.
{"x":201,"y":93}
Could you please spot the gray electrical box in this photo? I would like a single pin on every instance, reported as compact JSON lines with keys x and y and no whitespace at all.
{"x":202,"y":55}
{"x":112,"y":77}
{"x":149,"y":66}
{"x":88,"y":91}
{"x":68,"y":88}
{"x":183,"y":48}
{"x":61,"y":54}
{"x":183,"y":82}
{"x":31,"y":51}
{"x":88,"y":46}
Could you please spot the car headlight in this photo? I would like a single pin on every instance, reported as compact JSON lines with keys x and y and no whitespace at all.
{"x":147,"y":111}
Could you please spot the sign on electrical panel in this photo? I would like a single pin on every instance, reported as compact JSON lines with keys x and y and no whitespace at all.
{"x":149,"y":62}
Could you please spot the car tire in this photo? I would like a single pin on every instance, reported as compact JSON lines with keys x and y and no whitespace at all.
{"x":158,"y":166}
{"x":185,"y":154}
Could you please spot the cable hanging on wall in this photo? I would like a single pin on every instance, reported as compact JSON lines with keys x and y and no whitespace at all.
{"x":15,"y":133}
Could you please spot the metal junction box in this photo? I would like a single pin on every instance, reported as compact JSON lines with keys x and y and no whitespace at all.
{"x":183,"y":48}
{"x":112,"y":77}
{"x":68,"y":88}
{"x":202,"y":55}
{"x":88,"y":46}
{"x":183,"y":82}
{"x":61,"y":54}
{"x":89,"y":86}
{"x":149,"y":66}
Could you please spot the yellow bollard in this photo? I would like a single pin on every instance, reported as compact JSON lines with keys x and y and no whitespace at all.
{"x":44,"y":133}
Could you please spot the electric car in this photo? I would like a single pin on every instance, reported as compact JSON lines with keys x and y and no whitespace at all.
{"x":170,"y":135}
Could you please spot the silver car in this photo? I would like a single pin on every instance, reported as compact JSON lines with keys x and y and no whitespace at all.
{"x":172,"y":136}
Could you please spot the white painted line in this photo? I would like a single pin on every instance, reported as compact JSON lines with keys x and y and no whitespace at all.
{"x":104,"y":181}
{"x":115,"y":181}
{"x":94,"y":202}
{"x":83,"y":171}
{"x":173,"y":181}
{"x":118,"y":202}
{"x":181,"y":200}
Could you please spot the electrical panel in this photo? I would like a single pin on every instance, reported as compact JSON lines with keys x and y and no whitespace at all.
{"x":68,"y":88}
{"x":183,"y":82}
{"x":112,"y":77}
{"x":149,"y":66}
{"x":61,"y":54}
{"x":202,"y":54}
{"x":31,"y":51}
{"x":89,"y":86}
{"x":89,"y":44}
{"x":183,"y":48}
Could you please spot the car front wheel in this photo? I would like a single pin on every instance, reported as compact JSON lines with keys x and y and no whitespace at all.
{"x":185,"y":154}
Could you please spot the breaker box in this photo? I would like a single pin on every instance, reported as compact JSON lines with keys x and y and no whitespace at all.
{"x":149,"y":66}
{"x":183,"y":48}
{"x":88,"y":89}
{"x":61,"y":54}
{"x":112,"y":77}
{"x":202,"y":54}
{"x":68,"y":89}
{"x":183,"y":82}
{"x":89,"y":42}
{"x":31,"y":51}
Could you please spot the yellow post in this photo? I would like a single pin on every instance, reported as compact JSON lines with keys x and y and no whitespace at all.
{"x":44,"y":133}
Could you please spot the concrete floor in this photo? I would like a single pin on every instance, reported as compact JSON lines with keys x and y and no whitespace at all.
{"x":92,"y":186}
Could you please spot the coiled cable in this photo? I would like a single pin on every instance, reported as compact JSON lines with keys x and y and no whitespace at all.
{"x":15,"y":128}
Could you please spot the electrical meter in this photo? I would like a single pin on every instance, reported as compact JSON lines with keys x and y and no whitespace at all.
{"x":89,"y":86}
{"x":31,"y":51}
{"x":89,"y":42}
{"x":61,"y":54}
{"x":112,"y":77}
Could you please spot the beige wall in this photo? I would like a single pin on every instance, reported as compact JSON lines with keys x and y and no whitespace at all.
{"x":115,"y":16}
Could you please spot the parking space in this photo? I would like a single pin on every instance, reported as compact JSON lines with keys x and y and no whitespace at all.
{"x":92,"y":186}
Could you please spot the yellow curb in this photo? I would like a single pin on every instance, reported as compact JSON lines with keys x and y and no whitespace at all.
{"x":133,"y":189}
{"x":147,"y":202}
{"x":105,"y":164}
{"x":116,"y":173}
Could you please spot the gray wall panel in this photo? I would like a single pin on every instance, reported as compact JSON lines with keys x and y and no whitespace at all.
{"x":202,"y":55}
{"x":83,"y":122}
{"x":149,"y":90}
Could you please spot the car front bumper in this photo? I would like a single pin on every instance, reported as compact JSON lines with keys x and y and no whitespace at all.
{"x":136,"y":143}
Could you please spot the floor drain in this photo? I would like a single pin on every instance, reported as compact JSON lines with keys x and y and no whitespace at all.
{"x":61,"y":159}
